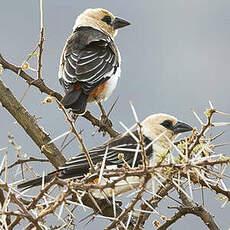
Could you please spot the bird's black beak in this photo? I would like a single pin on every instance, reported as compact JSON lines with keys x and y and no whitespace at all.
{"x":181,"y":127}
{"x":119,"y":23}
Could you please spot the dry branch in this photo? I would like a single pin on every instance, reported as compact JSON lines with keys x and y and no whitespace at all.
{"x":40,"y":46}
{"x":96,"y":122}
{"x":31,"y":81}
{"x":130,"y":206}
{"x":154,"y":201}
{"x":195,"y":210}
{"x":29,"y":124}
{"x":22,"y":161}
{"x":191,"y":208}
{"x":78,"y":136}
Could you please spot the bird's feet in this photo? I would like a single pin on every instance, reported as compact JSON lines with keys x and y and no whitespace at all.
{"x":105,"y":121}
{"x":74,"y":116}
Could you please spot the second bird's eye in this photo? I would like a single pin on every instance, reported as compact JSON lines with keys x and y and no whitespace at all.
{"x":167,"y":124}
{"x":107,"y":19}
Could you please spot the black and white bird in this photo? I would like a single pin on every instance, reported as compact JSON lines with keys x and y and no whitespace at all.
{"x":90,"y":62}
{"x":157,"y":129}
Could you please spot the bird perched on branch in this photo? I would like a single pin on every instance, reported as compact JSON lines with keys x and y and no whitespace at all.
{"x":90,"y":62}
{"x":156,"y":129}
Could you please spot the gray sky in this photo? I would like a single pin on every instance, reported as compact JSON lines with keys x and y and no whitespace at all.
{"x":175,"y":57}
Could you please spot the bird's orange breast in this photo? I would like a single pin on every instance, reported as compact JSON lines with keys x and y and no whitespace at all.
{"x":98,"y":93}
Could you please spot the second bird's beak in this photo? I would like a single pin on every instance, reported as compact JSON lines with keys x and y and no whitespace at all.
{"x":119,"y":23}
{"x":181,"y":127}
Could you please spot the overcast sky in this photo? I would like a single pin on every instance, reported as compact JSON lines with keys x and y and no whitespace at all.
{"x":175,"y":57}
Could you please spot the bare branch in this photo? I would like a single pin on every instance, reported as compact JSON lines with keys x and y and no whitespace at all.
{"x":130,"y":206}
{"x":154,"y":201}
{"x":29,"y":124}
{"x":40,"y":44}
{"x":79,"y":138}
{"x":95,"y":122}
{"x":196,"y":210}
{"x":31,"y":81}
{"x":22,"y":161}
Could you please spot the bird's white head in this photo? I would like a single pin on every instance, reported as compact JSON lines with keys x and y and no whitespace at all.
{"x":102,"y":20}
{"x":156,"y":124}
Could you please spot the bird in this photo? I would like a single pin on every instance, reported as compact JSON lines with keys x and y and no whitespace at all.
{"x":90,"y":62}
{"x":153,"y":126}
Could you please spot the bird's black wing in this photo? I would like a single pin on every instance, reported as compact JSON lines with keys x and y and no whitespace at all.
{"x":78,"y":166}
{"x":90,"y":57}
{"x":127,"y":145}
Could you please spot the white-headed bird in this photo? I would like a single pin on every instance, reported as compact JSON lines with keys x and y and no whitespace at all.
{"x":126,"y":144}
{"x":90,"y":62}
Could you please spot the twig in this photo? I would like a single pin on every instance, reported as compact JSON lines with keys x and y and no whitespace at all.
{"x":41,"y":193}
{"x":154,"y":201}
{"x":79,"y":138}
{"x":22,"y":161}
{"x":2,"y":201}
{"x":142,"y":144}
{"x":195,"y":209}
{"x":95,"y":122}
{"x":130,"y":207}
{"x":52,"y":208}
{"x":31,"y":81}
{"x":40,"y":44}
{"x":28,"y":216}
{"x":14,"y":223}
{"x":209,"y":114}
{"x":111,"y":109}
{"x":215,"y":188}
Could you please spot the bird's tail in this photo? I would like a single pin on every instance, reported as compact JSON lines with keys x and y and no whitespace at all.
{"x":62,"y":174}
{"x":37,"y":181}
{"x":76,"y":100}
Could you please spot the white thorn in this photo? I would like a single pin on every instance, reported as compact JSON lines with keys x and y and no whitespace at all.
{"x":198,"y":118}
{"x":134,"y":112}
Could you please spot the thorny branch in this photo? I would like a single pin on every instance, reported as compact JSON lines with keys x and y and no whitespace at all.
{"x":31,"y":81}
{"x":22,"y":161}
{"x":190,"y":208}
{"x":130,"y":206}
{"x":202,"y":158}
{"x":205,"y":127}
{"x":78,"y":136}
{"x":154,"y":201}
{"x":195,"y":210}
{"x":199,"y":169}
{"x":204,"y":164}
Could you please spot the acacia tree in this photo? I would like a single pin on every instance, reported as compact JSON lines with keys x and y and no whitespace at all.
{"x":192,"y":164}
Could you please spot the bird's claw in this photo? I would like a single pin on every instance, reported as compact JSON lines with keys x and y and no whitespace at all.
{"x":105,"y":122}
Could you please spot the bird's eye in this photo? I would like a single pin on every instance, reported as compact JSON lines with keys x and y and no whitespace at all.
{"x":107,"y":19}
{"x":167,"y":124}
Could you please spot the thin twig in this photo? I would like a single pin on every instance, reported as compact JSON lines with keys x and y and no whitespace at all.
{"x":40,"y":44}
{"x":22,"y":161}
{"x":79,"y":138}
